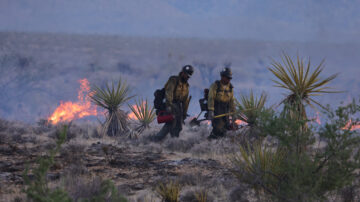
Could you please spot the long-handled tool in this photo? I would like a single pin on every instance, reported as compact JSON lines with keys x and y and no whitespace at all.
{"x":195,"y":121}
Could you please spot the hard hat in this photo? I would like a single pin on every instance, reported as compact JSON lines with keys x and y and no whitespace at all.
{"x":188,"y":69}
{"x":226,"y":72}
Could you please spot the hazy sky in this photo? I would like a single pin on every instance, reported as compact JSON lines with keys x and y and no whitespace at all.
{"x":300,"y":20}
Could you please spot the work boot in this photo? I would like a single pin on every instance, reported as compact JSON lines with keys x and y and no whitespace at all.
{"x":212,"y":137}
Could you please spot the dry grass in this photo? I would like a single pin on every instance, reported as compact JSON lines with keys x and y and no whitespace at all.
{"x":169,"y":191}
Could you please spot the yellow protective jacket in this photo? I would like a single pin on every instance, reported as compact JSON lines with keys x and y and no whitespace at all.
{"x":221,"y":93}
{"x":176,"y":91}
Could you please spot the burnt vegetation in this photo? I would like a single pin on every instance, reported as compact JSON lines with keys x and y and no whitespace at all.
{"x":280,"y":155}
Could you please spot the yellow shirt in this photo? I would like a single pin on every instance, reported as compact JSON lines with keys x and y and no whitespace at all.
{"x":181,"y":92}
{"x":224,"y":94}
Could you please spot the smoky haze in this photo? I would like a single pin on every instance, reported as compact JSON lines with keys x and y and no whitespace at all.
{"x":40,"y":70}
{"x":47,"y":46}
{"x":281,"y":20}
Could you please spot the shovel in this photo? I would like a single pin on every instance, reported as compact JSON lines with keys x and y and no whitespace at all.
{"x":194,"y":121}
{"x":197,"y":122}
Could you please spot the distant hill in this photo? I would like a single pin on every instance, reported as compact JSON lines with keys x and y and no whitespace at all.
{"x":37,"y":71}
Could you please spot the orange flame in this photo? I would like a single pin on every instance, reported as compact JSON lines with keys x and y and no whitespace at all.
{"x":240,"y":122}
{"x":68,"y":111}
{"x":132,"y":114}
{"x":318,"y":118}
{"x":352,"y":127}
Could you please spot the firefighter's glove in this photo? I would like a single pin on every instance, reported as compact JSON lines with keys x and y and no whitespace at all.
{"x":210,"y":115}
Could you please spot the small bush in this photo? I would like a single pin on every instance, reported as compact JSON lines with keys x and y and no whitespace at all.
{"x":259,"y":166}
{"x":296,"y":169}
{"x":144,"y":113}
{"x":111,"y":99}
{"x":104,"y":192}
{"x":169,"y":192}
{"x":201,"y":195}
{"x":38,"y":190}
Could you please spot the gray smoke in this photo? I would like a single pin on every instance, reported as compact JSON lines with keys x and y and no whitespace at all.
{"x":37,"y":71}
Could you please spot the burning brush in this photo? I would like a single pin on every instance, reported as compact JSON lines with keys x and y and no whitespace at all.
{"x":68,"y":111}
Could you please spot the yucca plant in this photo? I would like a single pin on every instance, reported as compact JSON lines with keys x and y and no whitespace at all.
{"x":250,"y":107}
{"x":112,"y":98}
{"x":169,"y":192}
{"x":302,"y":84}
{"x":144,"y":113}
{"x":259,"y":166}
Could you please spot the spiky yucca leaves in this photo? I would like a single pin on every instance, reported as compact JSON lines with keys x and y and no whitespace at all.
{"x":144,"y":113}
{"x":259,"y":166}
{"x":250,"y":107}
{"x":169,"y":192}
{"x":111,"y":99}
{"x":302,"y":84}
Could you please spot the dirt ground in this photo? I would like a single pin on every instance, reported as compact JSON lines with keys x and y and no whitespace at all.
{"x":135,"y":165}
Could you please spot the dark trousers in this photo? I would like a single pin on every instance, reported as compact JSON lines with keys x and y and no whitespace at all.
{"x":173,"y":127}
{"x":220,"y":125}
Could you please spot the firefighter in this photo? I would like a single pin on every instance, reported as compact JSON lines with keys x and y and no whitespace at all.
{"x":177,"y":102}
{"x":221,"y":100}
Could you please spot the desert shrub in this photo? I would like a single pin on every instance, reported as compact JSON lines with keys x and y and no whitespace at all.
{"x":197,"y":195}
{"x":97,"y":189}
{"x":302,"y":84}
{"x":295,"y":174}
{"x":201,"y":195}
{"x":259,"y":161}
{"x":169,"y":192}
{"x":239,"y":194}
{"x":144,"y":113}
{"x":37,"y":189}
{"x":107,"y":191}
{"x":72,"y":153}
{"x":179,"y":145}
{"x":250,"y":106}
{"x":249,"y":109}
{"x":111,"y":99}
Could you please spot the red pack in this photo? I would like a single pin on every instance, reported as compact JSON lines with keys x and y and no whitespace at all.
{"x":164,"y":117}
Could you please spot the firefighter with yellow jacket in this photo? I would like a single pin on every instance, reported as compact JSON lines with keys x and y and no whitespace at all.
{"x":177,"y":101}
{"x":221,"y":100}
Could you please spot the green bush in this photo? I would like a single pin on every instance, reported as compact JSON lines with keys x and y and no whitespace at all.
{"x":37,"y":189}
{"x":285,"y":172}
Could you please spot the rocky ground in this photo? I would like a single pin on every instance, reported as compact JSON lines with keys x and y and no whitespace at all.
{"x":136,"y":165}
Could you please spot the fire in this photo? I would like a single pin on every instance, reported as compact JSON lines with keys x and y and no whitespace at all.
{"x":68,"y":111}
{"x":353,"y":127}
{"x":318,"y":118}
{"x":240,"y":122}
{"x":132,"y":114}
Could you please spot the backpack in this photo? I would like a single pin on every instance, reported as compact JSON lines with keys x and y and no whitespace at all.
{"x":159,"y":94}
{"x":159,"y":101}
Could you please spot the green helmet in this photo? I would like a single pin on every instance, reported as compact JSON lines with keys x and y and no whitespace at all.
{"x":226,"y":72}
{"x":188,"y":69}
